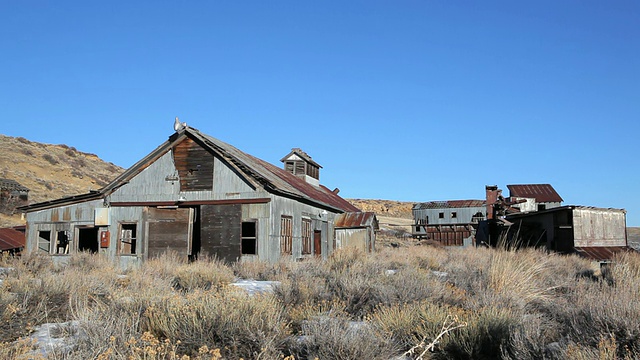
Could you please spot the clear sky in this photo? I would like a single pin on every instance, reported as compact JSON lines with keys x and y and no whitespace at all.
{"x":400,"y":100}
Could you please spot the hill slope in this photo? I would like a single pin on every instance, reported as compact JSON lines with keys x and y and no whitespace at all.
{"x":51,"y":171}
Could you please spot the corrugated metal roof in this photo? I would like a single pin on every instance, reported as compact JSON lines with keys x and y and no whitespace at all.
{"x":448,"y":204}
{"x":540,"y":192}
{"x":600,"y":253}
{"x":12,"y":185}
{"x":257,"y":171}
{"x":356,"y":220}
{"x":11,"y":239}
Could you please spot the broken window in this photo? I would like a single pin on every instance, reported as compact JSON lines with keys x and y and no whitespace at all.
{"x":128,"y":237}
{"x":306,"y":237}
{"x":88,"y":239}
{"x":249,"y":244}
{"x":542,"y":207}
{"x":441,"y":215}
{"x":454,"y":214}
{"x":286,"y":235}
{"x":62,"y":243}
{"x":44,"y":241}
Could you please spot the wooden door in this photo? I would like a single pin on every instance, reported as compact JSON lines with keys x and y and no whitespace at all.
{"x":221,"y":231}
{"x":169,"y":230}
{"x":317,"y":242}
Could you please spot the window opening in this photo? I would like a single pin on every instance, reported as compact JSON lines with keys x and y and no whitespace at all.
{"x":44,"y":241}
{"x":62,"y":243}
{"x":88,"y":239}
{"x":128,"y":239}
{"x":454,"y":215}
{"x":249,"y":239}
{"x":441,"y":215}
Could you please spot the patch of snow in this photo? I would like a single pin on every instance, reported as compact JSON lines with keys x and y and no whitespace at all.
{"x":390,"y":272}
{"x":256,"y":287}
{"x":440,"y":274}
{"x":56,"y":337}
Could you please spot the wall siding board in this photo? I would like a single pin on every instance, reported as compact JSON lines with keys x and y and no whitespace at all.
{"x":220,"y":231}
{"x":168,"y":230}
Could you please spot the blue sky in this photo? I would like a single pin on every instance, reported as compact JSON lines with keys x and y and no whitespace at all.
{"x":400,"y":100}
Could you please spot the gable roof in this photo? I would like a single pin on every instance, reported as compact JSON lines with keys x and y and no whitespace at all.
{"x":256,"y":172}
{"x":449,"y":204}
{"x":301,"y":154}
{"x":540,"y":192}
{"x":12,"y":185}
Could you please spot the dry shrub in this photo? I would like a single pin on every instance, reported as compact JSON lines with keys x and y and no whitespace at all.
{"x":262,"y":270}
{"x":241,"y":325}
{"x":204,"y":275}
{"x":335,"y":337}
{"x":52,"y":160}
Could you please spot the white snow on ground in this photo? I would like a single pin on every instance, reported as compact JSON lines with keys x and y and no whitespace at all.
{"x":256,"y":287}
{"x":56,"y":337}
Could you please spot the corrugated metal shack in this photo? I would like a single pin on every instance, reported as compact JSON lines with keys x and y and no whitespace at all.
{"x":356,"y":229}
{"x":596,"y":233}
{"x":449,"y":222}
{"x":196,"y":195}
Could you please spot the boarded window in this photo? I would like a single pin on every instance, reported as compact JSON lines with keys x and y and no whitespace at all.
{"x":300,"y":168}
{"x":286,"y":235}
{"x":44,"y":241}
{"x":289,"y":166}
{"x":194,"y":165}
{"x":62,"y":243}
{"x":128,"y":239}
{"x":306,"y":237}
{"x":249,"y":239}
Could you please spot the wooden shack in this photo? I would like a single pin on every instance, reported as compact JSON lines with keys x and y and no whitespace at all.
{"x":195,"y":195}
{"x":12,"y":195}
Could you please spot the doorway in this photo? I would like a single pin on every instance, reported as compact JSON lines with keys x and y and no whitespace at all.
{"x":88,"y":239}
{"x":317,"y":242}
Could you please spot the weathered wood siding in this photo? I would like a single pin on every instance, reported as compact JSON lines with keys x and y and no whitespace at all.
{"x":357,"y":238}
{"x":168,"y":230}
{"x":221,"y":230}
{"x":599,"y":227}
{"x":194,"y":165}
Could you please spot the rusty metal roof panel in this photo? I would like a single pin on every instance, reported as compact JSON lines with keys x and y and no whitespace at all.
{"x":11,"y":239}
{"x":276,"y":178}
{"x":356,"y":220}
{"x":540,"y":192}
{"x":600,"y":253}
{"x":449,"y":204}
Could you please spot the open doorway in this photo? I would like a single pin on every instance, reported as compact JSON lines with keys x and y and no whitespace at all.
{"x":88,"y":239}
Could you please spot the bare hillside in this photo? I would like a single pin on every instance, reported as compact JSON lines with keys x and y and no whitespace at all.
{"x":51,"y":171}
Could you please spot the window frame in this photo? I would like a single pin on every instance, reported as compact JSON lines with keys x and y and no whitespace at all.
{"x":244,"y":238}
{"x":133,"y":244}
{"x":306,"y":231}
{"x":286,"y":235}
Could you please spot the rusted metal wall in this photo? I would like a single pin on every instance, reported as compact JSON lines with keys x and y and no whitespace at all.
{"x":599,"y":227}
{"x":357,"y":238}
{"x":321,"y":220}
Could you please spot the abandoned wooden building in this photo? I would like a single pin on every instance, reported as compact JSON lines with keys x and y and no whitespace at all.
{"x":196,"y":195}
{"x":595,"y":233}
{"x":450,"y":223}
{"x":12,"y":195}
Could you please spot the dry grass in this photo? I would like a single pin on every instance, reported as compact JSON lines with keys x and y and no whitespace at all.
{"x":514,"y":305}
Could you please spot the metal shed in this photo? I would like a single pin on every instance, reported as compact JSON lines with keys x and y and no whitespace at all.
{"x":356,"y":229}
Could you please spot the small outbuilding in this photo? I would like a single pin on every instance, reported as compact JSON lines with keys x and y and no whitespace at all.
{"x":356,"y":229}
{"x":451,"y":223}
{"x":12,"y":240}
